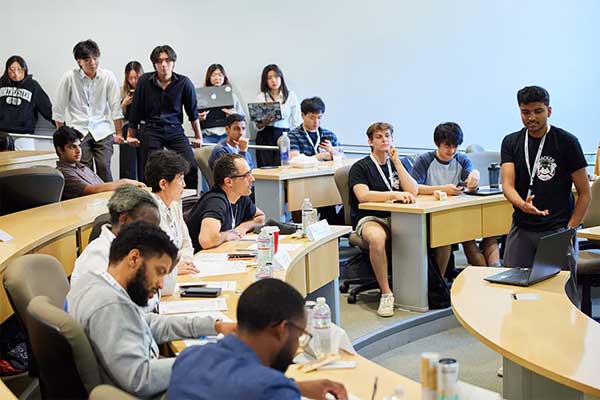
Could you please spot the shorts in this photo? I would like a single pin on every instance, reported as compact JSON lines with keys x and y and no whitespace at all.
{"x":384,"y":222}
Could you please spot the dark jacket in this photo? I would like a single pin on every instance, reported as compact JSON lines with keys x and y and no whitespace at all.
{"x":20,"y":103}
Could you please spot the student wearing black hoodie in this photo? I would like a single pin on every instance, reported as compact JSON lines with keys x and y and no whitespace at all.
{"x":21,"y":99}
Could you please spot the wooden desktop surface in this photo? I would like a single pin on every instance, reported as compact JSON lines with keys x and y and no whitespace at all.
{"x":289,"y":172}
{"x":592,"y":233}
{"x":59,"y":229}
{"x":26,"y":158}
{"x":548,"y":336}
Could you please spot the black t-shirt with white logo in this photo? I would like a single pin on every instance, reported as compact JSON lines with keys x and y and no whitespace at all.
{"x":561,"y":156}
{"x":364,"y":171}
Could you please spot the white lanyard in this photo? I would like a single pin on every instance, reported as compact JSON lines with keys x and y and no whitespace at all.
{"x":533,"y":172}
{"x":232,"y":217}
{"x":315,"y":145}
{"x":387,"y":183}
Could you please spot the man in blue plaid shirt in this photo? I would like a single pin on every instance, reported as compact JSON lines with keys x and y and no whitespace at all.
{"x":309,"y":138}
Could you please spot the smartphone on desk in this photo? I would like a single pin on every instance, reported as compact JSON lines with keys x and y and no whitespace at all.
{"x":241,"y":256}
{"x":195,"y":291}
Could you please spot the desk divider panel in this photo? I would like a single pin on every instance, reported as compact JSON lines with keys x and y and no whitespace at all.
{"x":63,"y":248}
{"x":496,"y":218}
{"x":296,"y":276}
{"x":454,"y":226}
{"x":322,"y":265}
{"x":321,"y":190}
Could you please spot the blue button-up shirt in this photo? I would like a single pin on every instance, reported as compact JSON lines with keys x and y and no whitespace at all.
{"x":156,"y":106}
{"x":305,"y":142}
{"x":227,"y":370}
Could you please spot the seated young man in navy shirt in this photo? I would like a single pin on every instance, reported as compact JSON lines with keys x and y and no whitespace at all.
{"x":226,"y":212}
{"x":309,"y":138}
{"x":443,"y":169}
{"x":271,"y":327}
{"x":236,"y":141}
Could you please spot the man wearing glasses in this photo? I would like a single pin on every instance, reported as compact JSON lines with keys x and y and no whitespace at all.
{"x":251,"y":365}
{"x":91,"y":96}
{"x":226,"y":212}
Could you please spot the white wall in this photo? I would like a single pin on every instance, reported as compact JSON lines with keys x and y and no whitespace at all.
{"x":413,"y":63}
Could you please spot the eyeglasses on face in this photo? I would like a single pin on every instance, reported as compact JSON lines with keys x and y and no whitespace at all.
{"x":245,"y":175}
{"x":305,"y":338}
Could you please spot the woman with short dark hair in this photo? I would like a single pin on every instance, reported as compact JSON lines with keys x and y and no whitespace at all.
{"x":21,"y":100}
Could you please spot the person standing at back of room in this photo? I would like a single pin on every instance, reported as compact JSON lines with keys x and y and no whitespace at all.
{"x":273,"y":88}
{"x":159,"y":100}
{"x":21,"y":100}
{"x":129,"y":155}
{"x":90,"y":95}
{"x":216,"y":76}
{"x":540,"y":164}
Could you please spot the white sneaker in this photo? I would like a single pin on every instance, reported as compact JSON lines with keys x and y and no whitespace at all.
{"x":386,"y":306}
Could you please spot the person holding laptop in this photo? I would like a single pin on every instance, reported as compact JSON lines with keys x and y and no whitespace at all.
{"x":216,"y":76}
{"x":448,"y":170}
{"x":309,"y":138}
{"x":540,"y":164}
{"x":273,"y":88}
{"x":379,"y":177}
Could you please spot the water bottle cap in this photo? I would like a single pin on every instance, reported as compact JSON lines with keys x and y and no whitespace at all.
{"x":306,"y":199}
{"x":320,"y":300}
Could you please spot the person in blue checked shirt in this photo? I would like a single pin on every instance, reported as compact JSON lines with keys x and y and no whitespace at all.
{"x":309,"y":138}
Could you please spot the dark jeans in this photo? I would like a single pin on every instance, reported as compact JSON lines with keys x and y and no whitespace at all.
{"x":268,"y":137}
{"x":99,"y":153}
{"x":172,"y":137}
{"x":129,"y":158}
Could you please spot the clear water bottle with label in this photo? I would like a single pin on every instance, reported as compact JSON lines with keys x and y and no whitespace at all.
{"x":322,"y":327}
{"x":284,"y":149}
{"x":264,"y":266}
{"x":307,"y":215}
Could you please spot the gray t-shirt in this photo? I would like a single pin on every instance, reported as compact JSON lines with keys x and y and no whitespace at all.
{"x":429,"y":170}
{"x":77,"y":177}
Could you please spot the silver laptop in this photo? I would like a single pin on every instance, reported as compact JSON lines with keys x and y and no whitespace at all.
{"x":214,"y":97}
{"x":551,"y":256}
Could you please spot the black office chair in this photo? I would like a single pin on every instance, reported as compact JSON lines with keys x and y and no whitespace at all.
{"x":21,"y":189}
{"x":99,"y":221}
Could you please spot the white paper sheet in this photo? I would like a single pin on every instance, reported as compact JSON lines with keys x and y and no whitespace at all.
{"x":282,"y":246}
{"x":4,"y":236}
{"x":192,"y":306}
{"x":220,"y":268}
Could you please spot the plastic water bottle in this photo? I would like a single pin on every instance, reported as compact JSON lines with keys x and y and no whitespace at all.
{"x":263,"y":258}
{"x":307,"y":215}
{"x":397,"y":395}
{"x":284,"y":149}
{"x":322,"y":327}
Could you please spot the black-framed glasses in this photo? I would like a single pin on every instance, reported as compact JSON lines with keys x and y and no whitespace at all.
{"x":246,"y":175}
{"x":305,"y":338}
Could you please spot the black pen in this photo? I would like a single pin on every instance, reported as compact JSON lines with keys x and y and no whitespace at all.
{"x":374,"y":389}
{"x":514,"y":295}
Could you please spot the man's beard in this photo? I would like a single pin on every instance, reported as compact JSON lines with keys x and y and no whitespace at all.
{"x":138,"y":287}
{"x":284,"y":358}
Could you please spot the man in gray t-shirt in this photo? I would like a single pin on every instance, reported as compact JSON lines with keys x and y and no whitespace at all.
{"x":451,"y":172}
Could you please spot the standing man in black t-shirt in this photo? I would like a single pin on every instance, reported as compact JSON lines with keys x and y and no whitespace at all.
{"x":540,"y":163}
{"x":159,"y":100}
{"x":379,"y":177}
{"x":226,"y":212}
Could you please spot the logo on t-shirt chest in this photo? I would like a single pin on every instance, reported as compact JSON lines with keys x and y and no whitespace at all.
{"x":546,"y":169}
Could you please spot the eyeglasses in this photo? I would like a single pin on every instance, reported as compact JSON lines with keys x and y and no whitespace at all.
{"x":246,"y":175}
{"x":305,"y":338}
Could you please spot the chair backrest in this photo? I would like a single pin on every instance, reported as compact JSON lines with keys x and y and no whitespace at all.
{"x":30,"y":276}
{"x":592,"y":216}
{"x":481,"y":161}
{"x":341,"y":181}
{"x":99,"y":221}
{"x":108,"y":392}
{"x":202,"y":155}
{"x":474,"y":148}
{"x":24,"y":188}
{"x":67,"y":366}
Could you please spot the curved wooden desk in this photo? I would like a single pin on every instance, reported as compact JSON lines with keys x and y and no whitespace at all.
{"x":591,"y":233}
{"x":550,"y":348}
{"x":26,"y":159}
{"x":59,"y":229}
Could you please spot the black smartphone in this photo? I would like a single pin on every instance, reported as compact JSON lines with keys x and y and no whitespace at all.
{"x":268,"y":167}
{"x":131,"y":92}
{"x":200,"y":292}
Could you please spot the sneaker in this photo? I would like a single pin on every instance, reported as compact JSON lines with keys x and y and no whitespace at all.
{"x":386,"y":306}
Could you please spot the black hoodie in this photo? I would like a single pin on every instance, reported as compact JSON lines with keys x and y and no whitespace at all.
{"x":20,"y":103}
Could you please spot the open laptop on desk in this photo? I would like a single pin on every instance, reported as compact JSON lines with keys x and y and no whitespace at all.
{"x":214,"y":99}
{"x":551,"y":256}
